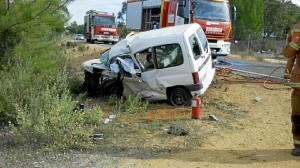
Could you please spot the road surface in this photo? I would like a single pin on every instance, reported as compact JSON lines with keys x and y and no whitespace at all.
{"x":263,"y":68}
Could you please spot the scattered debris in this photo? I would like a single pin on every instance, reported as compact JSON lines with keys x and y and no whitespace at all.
{"x":96,"y":137}
{"x":177,"y":130}
{"x":225,"y":90}
{"x":106,"y":120}
{"x":222,"y":62}
{"x":213,"y":117}
{"x":109,"y":119}
{"x":257,"y":98}
{"x":79,"y":107}
{"x":112,"y":116}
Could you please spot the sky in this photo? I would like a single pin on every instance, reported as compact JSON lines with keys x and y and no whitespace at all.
{"x":297,"y":2}
{"x":78,"y":8}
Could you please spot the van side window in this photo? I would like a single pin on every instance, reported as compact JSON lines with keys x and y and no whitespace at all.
{"x":203,"y":39}
{"x":169,"y":55}
{"x":145,"y":59}
{"x":195,"y":47}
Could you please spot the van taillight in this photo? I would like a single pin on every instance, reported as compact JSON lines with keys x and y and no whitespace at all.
{"x":196,"y":77}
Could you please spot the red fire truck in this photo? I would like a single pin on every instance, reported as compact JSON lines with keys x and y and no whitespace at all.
{"x":101,"y":27}
{"x":214,"y":16}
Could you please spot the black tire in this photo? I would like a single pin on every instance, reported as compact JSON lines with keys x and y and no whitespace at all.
{"x":179,"y":97}
{"x":115,"y":89}
{"x":91,"y":84}
{"x":214,"y":57}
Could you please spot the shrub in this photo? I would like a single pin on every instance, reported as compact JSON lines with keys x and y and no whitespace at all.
{"x":81,"y":48}
{"x":133,"y":104}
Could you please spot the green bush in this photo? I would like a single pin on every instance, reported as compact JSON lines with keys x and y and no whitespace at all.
{"x":35,"y":98}
{"x":133,"y":104}
{"x":81,"y":48}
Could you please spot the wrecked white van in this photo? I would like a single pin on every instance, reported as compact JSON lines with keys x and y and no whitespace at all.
{"x":172,"y":63}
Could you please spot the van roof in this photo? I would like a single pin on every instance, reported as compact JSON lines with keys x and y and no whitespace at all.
{"x":142,"y":40}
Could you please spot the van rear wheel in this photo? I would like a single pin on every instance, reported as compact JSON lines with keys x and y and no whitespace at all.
{"x":179,"y":97}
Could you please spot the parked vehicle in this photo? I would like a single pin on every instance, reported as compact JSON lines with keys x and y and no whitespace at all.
{"x":172,"y":63}
{"x":100,"y":26}
{"x":214,"y":16}
{"x":79,"y":37}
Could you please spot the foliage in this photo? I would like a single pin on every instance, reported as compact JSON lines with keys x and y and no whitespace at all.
{"x":133,"y":104}
{"x":264,"y":18}
{"x":278,"y":17}
{"x":249,"y":18}
{"x":81,"y":48}
{"x":24,"y":20}
{"x":74,"y":28}
{"x":34,"y":90}
{"x":121,"y":20}
{"x":122,"y":31}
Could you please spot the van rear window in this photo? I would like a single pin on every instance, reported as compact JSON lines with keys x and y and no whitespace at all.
{"x":203,"y":39}
{"x":195,"y":47}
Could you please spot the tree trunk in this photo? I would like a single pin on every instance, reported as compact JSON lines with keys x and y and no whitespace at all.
{"x":6,"y":58}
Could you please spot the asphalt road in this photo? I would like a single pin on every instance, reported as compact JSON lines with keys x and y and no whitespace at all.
{"x":260,"y":68}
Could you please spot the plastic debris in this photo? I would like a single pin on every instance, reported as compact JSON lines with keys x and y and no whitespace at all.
{"x":177,"y":130}
{"x":112,"y":116}
{"x":222,"y":62}
{"x":213,"y":117}
{"x":109,"y":119}
{"x":98,"y":136}
{"x":106,"y":121}
{"x":257,"y":99}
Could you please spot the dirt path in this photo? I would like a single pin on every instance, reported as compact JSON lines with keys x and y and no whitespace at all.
{"x":262,"y":139}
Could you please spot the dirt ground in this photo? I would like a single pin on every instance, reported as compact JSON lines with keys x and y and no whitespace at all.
{"x":253,"y":130}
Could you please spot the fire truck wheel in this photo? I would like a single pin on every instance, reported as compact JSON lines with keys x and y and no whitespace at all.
{"x":179,"y":97}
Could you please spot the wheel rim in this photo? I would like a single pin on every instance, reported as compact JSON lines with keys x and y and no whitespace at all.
{"x":179,"y":97}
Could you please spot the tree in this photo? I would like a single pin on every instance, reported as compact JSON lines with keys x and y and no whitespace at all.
{"x":74,"y":28}
{"x":249,"y":18}
{"x":121,"y":20}
{"x":23,"y":20}
{"x":278,"y":17}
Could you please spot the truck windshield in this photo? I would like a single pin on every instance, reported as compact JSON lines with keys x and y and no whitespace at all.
{"x":104,"y":20}
{"x":211,"y":10}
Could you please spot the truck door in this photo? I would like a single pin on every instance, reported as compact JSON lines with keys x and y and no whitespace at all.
{"x":134,"y":15}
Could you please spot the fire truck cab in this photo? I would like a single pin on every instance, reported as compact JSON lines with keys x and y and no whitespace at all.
{"x":101,"y":27}
{"x":214,"y":16}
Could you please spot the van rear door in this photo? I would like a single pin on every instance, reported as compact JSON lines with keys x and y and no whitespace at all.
{"x":201,"y":62}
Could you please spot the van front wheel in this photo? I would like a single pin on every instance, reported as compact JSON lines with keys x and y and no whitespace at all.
{"x":179,"y":97}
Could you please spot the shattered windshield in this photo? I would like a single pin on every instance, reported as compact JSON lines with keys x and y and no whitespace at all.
{"x":104,"y":20}
{"x":104,"y":57}
{"x":211,"y":10}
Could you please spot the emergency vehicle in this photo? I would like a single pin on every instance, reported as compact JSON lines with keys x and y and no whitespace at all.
{"x":100,"y":26}
{"x":214,"y":16}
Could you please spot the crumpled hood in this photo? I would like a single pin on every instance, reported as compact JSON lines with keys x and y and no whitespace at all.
{"x":91,"y":64}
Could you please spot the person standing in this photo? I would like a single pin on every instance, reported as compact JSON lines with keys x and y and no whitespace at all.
{"x":291,"y":51}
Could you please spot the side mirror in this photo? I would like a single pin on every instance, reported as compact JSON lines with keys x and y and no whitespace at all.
{"x":233,"y":13}
{"x":182,"y":3}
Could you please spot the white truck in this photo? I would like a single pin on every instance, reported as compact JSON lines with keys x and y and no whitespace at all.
{"x":173,"y":63}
